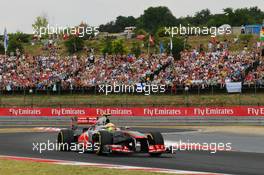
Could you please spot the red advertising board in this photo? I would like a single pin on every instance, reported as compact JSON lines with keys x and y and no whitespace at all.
{"x":142,"y":111}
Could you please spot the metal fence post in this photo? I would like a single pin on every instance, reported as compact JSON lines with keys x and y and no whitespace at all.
{"x":239,"y":99}
{"x":32,"y":100}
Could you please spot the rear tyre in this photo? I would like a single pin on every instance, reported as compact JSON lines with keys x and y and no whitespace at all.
{"x":104,"y":138}
{"x":65,"y":139}
{"x":155,"y":138}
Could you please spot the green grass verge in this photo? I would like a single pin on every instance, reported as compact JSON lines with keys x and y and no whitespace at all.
{"x":193,"y":41}
{"x":11,"y":167}
{"x":130,"y":100}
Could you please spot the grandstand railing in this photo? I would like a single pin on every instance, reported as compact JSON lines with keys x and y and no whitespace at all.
{"x":178,"y":90}
{"x":27,"y":97}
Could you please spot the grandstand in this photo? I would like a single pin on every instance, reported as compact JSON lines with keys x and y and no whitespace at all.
{"x":202,"y":73}
{"x":196,"y":70}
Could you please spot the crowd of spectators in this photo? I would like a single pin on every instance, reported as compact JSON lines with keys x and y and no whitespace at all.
{"x":193,"y":68}
{"x":255,"y":77}
{"x":212,"y":68}
{"x":43,"y":72}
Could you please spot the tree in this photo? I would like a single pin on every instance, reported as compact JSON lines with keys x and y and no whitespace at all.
{"x":136,"y":49}
{"x":161,"y":32}
{"x":178,"y":46}
{"x":109,"y":27}
{"x":118,"y":46}
{"x":245,"y":38}
{"x":40,"y":22}
{"x":108,"y":48}
{"x":201,"y":17}
{"x":140,"y":32}
{"x":74,"y":44}
{"x":118,"y":25}
{"x":242,"y":16}
{"x":155,"y":17}
{"x":20,"y":36}
{"x":2,"y":49}
{"x":122,"y":22}
{"x":13,"y":45}
{"x":218,"y":20}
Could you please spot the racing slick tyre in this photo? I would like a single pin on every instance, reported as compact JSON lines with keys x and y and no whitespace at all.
{"x":65,"y":138}
{"x":155,"y":138}
{"x":104,"y":138}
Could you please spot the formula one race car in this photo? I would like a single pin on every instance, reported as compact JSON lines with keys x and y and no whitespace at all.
{"x":104,"y":137}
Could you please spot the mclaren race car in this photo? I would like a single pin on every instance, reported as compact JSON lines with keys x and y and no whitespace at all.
{"x":104,"y":138}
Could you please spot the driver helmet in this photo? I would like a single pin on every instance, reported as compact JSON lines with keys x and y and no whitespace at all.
{"x":110,"y":127}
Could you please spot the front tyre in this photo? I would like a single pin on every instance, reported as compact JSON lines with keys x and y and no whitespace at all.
{"x":155,"y":138}
{"x":104,"y":138}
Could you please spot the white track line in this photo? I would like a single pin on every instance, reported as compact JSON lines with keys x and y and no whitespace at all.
{"x":111,"y":166}
{"x":49,"y":129}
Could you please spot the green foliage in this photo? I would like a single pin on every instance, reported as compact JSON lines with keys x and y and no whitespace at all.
{"x":40,"y":21}
{"x":155,"y":17}
{"x":114,"y":47}
{"x":140,"y":32}
{"x":118,"y":46}
{"x":13,"y":45}
{"x":107,"y":48}
{"x":217,"y":20}
{"x":136,"y":50}
{"x":178,"y":46}
{"x":161,"y":32}
{"x":74,"y":44}
{"x":118,"y":25}
{"x":21,"y":37}
{"x":245,"y":38}
{"x":202,"y":17}
{"x":244,"y":16}
{"x":2,"y":49}
{"x":238,"y":17}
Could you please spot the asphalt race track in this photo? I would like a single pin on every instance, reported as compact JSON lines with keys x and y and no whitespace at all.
{"x":21,"y":144}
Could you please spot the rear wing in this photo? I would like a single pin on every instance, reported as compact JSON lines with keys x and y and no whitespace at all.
{"x":87,"y":120}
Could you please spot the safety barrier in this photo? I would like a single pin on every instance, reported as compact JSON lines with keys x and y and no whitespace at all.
{"x":249,"y":111}
{"x":149,"y":116}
